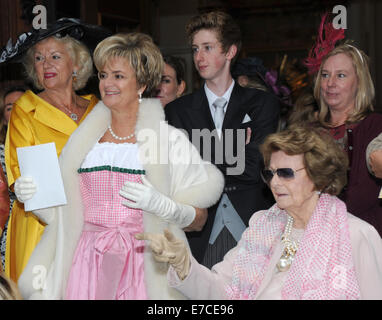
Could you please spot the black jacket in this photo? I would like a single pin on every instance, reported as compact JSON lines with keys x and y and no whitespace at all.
{"x":246,"y":190}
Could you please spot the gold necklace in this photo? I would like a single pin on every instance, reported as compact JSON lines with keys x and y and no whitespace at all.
{"x":72,"y":115}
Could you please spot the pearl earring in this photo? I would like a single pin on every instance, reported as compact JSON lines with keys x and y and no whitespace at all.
{"x":140,"y":97}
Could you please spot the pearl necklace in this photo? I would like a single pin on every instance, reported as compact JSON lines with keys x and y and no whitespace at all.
{"x":117,"y":137}
{"x":290,"y":249}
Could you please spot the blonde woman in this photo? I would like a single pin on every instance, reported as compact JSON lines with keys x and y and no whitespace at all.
{"x":114,"y":190}
{"x":58,"y":64}
{"x":345,"y":92}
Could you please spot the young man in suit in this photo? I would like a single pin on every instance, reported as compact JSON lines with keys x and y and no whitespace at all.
{"x":238,"y":119}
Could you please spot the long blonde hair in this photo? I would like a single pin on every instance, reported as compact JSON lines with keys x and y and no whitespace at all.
{"x":365,"y":91}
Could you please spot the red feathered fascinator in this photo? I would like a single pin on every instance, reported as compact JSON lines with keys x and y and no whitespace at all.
{"x":326,"y":41}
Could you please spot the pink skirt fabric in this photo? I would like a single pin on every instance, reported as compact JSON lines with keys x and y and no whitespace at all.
{"x":108,"y":261}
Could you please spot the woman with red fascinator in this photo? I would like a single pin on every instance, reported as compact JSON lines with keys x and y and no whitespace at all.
{"x":345,"y":92}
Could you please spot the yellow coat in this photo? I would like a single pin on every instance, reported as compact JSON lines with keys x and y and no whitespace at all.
{"x":33,"y":121}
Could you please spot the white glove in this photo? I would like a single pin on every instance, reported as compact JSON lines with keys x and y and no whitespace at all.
{"x":25,"y":188}
{"x":145,"y":197}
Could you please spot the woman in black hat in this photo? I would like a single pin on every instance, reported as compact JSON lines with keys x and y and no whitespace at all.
{"x":58,"y":64}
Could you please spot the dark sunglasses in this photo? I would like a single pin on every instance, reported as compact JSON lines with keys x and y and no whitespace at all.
{"x":284,"y":173}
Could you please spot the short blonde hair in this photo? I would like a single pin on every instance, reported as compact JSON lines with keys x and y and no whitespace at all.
{"x":139,"y":49}
{"x":365,"y":91}
{"x":79,"y":54}
{"x":325,"y":162}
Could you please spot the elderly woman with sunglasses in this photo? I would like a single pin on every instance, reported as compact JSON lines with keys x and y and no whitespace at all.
{"x":306,"y":246}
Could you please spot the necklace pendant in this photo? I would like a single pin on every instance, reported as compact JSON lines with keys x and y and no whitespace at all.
{"x":290,"y":248}
{"x":73,"y":116}
{"x":284,"y":264}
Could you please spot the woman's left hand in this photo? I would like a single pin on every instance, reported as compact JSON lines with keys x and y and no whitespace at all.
{"x":145,"y":197}
{"x":142,"y":196}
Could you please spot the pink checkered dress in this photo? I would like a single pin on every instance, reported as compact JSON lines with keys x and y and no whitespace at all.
{"x":108,"y":262}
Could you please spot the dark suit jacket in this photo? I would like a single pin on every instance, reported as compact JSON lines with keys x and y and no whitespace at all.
{"x":246,"y":190}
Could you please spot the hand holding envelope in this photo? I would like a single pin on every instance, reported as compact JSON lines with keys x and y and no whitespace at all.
{"x":40,"y":184}
{"x":25,"y":188}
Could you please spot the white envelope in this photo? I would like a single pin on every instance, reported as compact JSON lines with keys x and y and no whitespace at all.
{"x":246,"y":119}
{"x":41,"y":163}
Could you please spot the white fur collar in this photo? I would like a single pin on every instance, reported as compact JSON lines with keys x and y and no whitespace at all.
{"x":58,"y":243}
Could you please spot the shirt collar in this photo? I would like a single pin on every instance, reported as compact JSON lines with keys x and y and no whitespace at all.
{"x":211,"y":97}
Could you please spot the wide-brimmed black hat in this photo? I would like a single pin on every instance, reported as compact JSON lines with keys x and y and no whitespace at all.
{"x":88,"y":34}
